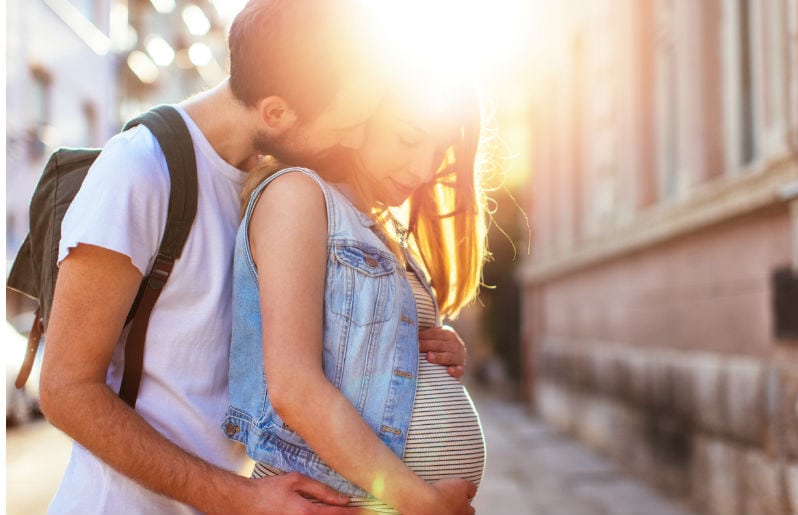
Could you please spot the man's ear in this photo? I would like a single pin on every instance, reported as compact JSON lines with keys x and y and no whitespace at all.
{"x":277,"y":114}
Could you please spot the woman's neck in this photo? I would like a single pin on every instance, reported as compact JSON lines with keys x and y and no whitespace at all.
{"x":348,"y":190}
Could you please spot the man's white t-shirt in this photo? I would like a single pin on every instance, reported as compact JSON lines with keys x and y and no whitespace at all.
{"x":122,"y":206}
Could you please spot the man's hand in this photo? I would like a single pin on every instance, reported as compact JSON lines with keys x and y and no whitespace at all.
{"x":444,"y":347}
{"x":289,"y":493}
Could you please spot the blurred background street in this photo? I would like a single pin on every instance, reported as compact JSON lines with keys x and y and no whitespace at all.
{"x":531,"y":469}
{"x":645,"y":244}
{"x":36,"y":457}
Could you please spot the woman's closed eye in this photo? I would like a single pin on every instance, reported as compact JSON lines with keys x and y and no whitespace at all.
{"x":410,"y":141}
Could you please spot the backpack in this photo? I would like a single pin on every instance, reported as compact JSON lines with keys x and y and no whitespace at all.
{"x":34,"y":271}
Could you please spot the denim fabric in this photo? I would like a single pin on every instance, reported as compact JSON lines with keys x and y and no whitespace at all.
{"x":370,"y":347}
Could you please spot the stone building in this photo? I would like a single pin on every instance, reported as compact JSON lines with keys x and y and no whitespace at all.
{"x":660,"y":300}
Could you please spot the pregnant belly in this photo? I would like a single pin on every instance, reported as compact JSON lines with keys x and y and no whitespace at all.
{"x":445,"y":437}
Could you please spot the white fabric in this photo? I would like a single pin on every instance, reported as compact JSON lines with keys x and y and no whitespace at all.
{"x":122,"y":206}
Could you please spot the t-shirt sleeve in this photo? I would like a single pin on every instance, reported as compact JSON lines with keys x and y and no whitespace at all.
{"x":123,"y":202}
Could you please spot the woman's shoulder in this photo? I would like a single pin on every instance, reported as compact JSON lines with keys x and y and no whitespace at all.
{"x":296,"y":175}
{"x":294,"y":199}
{"x":287,"y":227}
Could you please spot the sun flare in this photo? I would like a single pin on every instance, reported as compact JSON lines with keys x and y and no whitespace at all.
{"x":472,"y":35}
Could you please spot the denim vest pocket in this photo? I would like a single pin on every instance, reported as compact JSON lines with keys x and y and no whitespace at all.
{"x":369,"y":278}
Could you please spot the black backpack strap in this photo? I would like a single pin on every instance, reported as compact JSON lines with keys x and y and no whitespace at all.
{"x":174,"y":138}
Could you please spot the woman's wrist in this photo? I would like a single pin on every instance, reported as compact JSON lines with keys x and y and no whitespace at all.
{"x":426,"y":500}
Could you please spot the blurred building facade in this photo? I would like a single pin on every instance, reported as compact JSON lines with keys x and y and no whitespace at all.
{"x":659,"y":301}
{"x":59,"y":91}
{"x":77,"y":69}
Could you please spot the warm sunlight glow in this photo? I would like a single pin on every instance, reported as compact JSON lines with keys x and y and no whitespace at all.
{"x":496,"y":43}
{"x":476,"y":35}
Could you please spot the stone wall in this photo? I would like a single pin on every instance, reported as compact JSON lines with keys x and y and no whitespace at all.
{"x":718,"y":430}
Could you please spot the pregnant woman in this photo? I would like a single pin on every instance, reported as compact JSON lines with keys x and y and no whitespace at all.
{"x":333,"y":284}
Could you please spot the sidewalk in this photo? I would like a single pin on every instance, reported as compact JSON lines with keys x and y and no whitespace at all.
{"x":532,"y":470}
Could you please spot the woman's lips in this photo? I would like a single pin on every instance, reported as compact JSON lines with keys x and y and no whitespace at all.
{"x":402,"y":188}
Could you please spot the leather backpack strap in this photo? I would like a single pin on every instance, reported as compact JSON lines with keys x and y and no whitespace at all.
{"x":34,"y":338}
{"x":175,"y":140}
{"x":134,"y":345}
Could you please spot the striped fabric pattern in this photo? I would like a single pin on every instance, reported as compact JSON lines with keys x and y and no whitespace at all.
{"x":445,"y":437}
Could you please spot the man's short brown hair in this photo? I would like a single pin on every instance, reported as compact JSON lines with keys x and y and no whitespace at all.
{"x":296,"y":49}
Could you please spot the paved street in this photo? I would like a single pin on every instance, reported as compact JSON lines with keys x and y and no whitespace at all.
{"x":36,"y":456}
{"x":531,"y":470}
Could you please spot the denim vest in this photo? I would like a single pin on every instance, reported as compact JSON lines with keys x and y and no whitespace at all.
{"x":370,"y":342}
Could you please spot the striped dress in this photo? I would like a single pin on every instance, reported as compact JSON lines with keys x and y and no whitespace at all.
{"x":445,"y":437}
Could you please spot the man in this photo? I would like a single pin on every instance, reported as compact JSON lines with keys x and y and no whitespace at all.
{"x":302,"y":81}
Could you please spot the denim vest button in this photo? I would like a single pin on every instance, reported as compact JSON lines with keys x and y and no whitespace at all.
{"x":389,"y":429}
{"x":402,"y":373}
{"x":370,"y":261}
{"x":407,"y":320}
{"x":231,"y":429}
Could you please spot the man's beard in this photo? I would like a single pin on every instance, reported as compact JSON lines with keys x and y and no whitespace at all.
{"x":284,"y":149}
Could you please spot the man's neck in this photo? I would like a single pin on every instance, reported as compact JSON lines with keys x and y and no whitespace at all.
{"x":225,"y":122}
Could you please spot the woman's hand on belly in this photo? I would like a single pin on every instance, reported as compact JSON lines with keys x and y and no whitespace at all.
{"x":443,"y":346}
{"x":456,"y":495}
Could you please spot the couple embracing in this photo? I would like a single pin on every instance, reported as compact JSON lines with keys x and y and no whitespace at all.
{"x":302,"y":326}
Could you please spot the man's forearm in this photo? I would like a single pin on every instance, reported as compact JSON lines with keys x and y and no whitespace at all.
{"x":92,"y":297}
{"x":96,"y":418}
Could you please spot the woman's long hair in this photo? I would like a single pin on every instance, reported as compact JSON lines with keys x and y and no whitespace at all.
{"x":448,"y":218}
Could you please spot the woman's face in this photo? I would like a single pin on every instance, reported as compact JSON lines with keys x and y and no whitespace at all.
{"x":404,"y":145}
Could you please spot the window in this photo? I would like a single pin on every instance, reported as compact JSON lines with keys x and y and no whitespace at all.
{"x":666,"y":100}
{"x":577,"y":127}
{"x":644,"y":51}
{"x":746,"y":136}
{"x":91,"y":130}
{"x":39,"y":109}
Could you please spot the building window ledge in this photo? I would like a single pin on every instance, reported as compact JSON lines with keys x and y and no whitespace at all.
{"x":722,"y":199}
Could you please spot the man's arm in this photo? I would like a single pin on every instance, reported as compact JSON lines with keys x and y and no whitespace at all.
{"x":93,"y":294}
